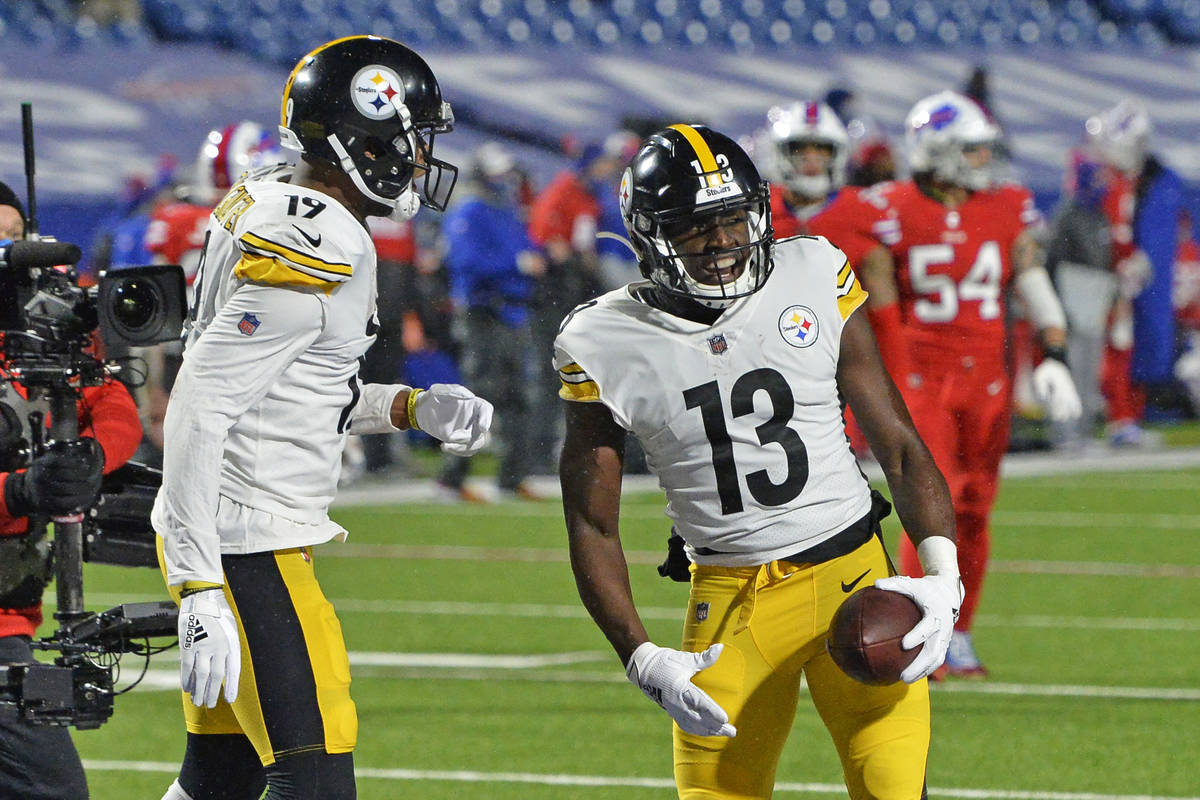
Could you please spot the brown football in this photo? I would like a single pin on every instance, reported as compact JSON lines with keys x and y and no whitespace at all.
{"x":864,"y":636}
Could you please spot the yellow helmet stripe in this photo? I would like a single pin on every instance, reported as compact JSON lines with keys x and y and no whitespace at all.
{"x":707,"y":162}
{"x":287,"y":87}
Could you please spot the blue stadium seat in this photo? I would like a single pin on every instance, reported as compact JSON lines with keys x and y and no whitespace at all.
{"x":1180,"y":19}
{"x":740,"y":25}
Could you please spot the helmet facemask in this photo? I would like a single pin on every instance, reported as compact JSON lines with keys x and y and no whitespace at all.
{"x":437,"y":177}
{"x":952,"y":164}
{"x":397,"y":176}
{"x":676,"y":249}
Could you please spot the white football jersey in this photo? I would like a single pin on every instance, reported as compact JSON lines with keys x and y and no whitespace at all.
{"x":284,"y":308}
{"x":740,"y":420}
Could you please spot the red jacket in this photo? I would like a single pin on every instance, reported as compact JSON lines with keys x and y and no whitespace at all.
{"x":555,"y":210}
{"x":108,"y":414}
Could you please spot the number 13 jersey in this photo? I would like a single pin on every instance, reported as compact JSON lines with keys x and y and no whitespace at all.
{"x":741,"y":420}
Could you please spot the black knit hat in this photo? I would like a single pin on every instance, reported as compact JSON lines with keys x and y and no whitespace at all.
{"x":9,"y":198}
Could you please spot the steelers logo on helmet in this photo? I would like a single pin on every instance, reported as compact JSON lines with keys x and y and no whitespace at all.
{"x":376,"y":90}
{"x":624,"y":194}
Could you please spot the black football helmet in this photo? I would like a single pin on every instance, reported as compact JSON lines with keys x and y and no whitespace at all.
{"x":371,"y":107}
{"x":690,"y":172}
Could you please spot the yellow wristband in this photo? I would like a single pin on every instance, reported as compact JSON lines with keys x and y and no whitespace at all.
{"x":412,"y":408}
{"x":195,"y":587}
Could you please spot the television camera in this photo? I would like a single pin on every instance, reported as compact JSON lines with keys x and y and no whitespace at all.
{"x":47,"y":320}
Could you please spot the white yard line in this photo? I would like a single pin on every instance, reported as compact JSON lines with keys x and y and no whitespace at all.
{"x":543,"y":779}
{"x":524,"y":668}
{"x":463,"y":608}
{"x":1088,"y":520}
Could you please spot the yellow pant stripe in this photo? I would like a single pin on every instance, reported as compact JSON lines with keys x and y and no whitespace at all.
{"x":326,"y":651}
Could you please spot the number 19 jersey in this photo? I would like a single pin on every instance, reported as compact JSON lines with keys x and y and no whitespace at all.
{"x":741,"y":420}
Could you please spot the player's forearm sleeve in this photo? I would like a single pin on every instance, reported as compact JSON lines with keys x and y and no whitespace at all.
{"x":225,"y":373}
{"x":1035,"y":288}
{"x":373,"y":412}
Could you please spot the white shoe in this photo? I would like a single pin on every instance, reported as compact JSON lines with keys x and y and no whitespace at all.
{"x":961,"y":660}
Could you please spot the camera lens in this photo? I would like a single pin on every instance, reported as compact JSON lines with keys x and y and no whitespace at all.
{"x":135,"y":303}
{"x":142,"y":305}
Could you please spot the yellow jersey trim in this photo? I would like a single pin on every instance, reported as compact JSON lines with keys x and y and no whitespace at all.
{"x":843,"y":274}
{"x":584,"y":392}
{"x":854,"y":297}
{"x":295,"y":256}
{"x":273,"y":272}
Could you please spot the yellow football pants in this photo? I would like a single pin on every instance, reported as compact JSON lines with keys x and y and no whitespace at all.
{"x":773,"y":621}
{"x":294,"y":692}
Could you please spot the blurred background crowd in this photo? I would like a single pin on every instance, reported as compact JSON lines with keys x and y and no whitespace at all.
{"x":154,"y":108}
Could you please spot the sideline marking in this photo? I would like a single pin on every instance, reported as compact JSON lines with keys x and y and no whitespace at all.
{"x":1016,"y":465}
{"x":475,"y":776}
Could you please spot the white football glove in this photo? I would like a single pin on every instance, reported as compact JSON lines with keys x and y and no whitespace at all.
{"x":456,"y":416}
{"x":1055,"y":391}
{"x":209,"y":650}
{"x":939,"y":597}
{"x":665,"y":676}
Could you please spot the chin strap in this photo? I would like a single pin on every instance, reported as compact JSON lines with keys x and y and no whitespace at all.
{"x":618,"y":238}
{"x":406,"y":203}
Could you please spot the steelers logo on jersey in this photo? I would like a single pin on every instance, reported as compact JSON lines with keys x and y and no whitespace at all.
{"x":798,"y":326}
{"x":375,"y":91}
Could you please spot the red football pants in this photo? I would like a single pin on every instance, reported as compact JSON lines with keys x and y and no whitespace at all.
{"x":964,"y":418}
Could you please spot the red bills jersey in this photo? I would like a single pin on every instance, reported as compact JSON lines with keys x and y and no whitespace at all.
{"x":839,"y":222}
{"x":1118,"y":205}
{"x":953,"y":267}
{"x":176,"y":235}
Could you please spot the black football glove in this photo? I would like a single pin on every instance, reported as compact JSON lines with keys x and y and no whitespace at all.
{"x":64,"y":479}
{"x":677,"y":567}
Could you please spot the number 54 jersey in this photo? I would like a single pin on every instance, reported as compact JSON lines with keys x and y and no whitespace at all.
{"x":953,"y":268}
{"x":741,"y":420}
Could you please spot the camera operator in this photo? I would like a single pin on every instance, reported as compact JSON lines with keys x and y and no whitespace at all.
{"x":40,"y":762}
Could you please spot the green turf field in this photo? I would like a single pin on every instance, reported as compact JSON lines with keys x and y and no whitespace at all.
{"x":1090,"y":625}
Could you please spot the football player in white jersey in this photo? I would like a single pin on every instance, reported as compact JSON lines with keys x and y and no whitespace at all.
{"x":729,"y":364}
{"x":284,"y":308}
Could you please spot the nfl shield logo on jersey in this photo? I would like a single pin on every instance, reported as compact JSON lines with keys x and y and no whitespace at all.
{"x":717,"y":344}
{"x":249,"y":324}
{"x":798,"y":326}
{"x":701,"y":612}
